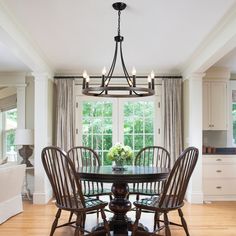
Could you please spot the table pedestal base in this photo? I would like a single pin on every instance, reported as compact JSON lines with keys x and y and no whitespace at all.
{"x":120,"y":224}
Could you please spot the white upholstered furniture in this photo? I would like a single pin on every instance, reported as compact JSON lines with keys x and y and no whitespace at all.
{"x":11,"y":181}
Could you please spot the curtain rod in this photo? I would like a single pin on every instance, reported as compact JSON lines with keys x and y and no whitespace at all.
{"x":119,"y":77}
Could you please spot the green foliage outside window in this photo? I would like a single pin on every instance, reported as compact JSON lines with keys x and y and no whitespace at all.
{"x":10,"y":126}
{"x":234,"y":122}
{"x":98,"y":125}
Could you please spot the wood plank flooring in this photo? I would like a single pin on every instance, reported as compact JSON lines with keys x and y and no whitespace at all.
{"x":215,"y":219}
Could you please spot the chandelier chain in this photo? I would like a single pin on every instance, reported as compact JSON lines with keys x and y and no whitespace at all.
{"x":119,"y":22}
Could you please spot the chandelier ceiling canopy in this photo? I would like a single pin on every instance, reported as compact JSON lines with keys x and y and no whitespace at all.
{"x":128,"y":88}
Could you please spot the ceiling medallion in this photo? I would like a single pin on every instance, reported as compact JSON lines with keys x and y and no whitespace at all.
{"x":106,"y":88}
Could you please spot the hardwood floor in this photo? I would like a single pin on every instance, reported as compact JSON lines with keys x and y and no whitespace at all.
{"x":215,"y":219}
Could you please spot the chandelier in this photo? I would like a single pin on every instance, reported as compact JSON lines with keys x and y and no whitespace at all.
{"x":129,"y":88}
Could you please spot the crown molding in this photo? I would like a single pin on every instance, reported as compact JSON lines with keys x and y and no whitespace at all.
{"x":19,"y":42}
{"x":217,"y":44}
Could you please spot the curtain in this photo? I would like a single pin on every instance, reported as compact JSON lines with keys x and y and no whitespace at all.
{"x":65,"y":126}
{"x":172,"y":117}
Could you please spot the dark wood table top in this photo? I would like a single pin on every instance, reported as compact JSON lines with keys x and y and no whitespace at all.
{"x":131,"y":174}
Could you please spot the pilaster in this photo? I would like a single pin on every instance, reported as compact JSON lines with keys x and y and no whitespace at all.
{"x":193,"y":131}
{"x":42,"y":192}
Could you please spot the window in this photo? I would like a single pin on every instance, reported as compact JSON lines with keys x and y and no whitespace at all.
{"x":97,"y":127}
{"x":100,"y":123}
{"x":234,"y":121}
{"x":138,"y":120}
{"x":9,"y":125}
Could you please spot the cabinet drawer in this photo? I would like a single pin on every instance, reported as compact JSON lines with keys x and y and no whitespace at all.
{"x":219,"y":187}
{"x":219,"y":171}
{"x":219,"y":159}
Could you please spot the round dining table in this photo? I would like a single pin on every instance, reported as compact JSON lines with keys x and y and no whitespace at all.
{"x":120,"y":224}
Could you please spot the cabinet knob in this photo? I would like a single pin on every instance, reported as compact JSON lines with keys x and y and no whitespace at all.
{"x":218,"y":187}
{"x":218,"y":159}
{"x":219,"y":171}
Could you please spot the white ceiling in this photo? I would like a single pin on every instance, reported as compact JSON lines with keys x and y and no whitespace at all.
{"x":76,"y":34}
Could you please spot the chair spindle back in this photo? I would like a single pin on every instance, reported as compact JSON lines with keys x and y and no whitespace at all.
{"x":62,"y":176}
{"x":177,"y":182}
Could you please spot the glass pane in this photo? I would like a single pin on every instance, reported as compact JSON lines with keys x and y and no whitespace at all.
{"x":107,"y":142}
{"x":87,"y":108}
{"x":11,"y":119}
{"x":97,"y":125}
{"x":128,"y":125}
{"x":97,"y":142}
{"x":138,"y":108}
{"x":138,"y":125}
{"x":234,"y":122}
{"x":107,"y":109}
{"x":107,"y":126}
{"x":128,"y":140}
{"x":86,"y":126}
{"x":97,"y":108}
{"x":10,"y":140}
{"x":128,"y":109}
{"x":87,"y":140}
{"x":149,"y":140}
{"x":149,"y":109}
{"x":138,"y":142}
{"x":149,"y":126}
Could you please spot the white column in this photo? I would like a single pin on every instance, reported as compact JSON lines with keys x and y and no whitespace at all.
{"x":193,"y":131}
{"x":42,"y":189}
{"x":21,"y":107}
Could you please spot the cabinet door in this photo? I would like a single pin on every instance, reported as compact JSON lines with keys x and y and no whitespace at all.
{"x":206,"y":106}
{"x":218,"y":106}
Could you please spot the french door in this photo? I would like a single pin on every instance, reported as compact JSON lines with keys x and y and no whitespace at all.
{"x":102,"y":122}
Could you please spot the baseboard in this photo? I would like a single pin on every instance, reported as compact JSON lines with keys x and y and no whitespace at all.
{"x":208,"y":198}
{"x":194,"y":197}
{"x":42,"y":198}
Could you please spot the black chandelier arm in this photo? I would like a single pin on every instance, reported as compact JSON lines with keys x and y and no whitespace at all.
{"x":111,"y":70}
{"x":128,"y":79}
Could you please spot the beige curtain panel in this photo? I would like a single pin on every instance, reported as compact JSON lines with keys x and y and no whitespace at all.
{"x":172,"y":117}
{"x":64,"y":113}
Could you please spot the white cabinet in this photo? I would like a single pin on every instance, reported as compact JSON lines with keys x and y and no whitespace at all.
{"x":215,"y":105}
{"x":219,"y":177}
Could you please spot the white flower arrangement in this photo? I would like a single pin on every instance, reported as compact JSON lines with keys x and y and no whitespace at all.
{"x":120,"y":153}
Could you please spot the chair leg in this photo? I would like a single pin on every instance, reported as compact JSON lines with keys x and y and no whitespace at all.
{"x":110,"y":196}
{"x":156,"y":221}
{"x":183,"y":221}
{"x":54,"y":225}
{"x":78,"y":225}
{"x":135,"y":225}
{"x":167,"y":228}
{"x":97,"y":210}
{"x":137,"y":197}
{"x":106,"y":226}
{"x":71,"y":214}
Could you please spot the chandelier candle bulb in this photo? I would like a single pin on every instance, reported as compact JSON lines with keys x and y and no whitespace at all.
{"x":152,"y":77}
{"x":103,"y":76}
{"x":87,"y":81}
{"x":134,"y":76}
{"x":84,"y":79}
{"x":149,"y":81}
{"x":83,"y":83}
